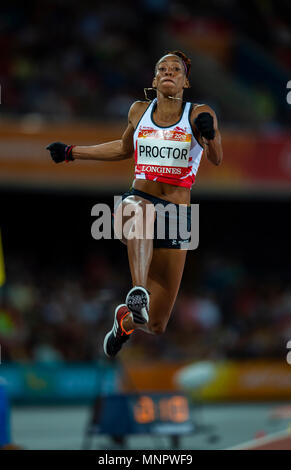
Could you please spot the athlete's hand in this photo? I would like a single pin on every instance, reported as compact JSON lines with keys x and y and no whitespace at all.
{"x":204,"y":124}
{"x":60,"y":152}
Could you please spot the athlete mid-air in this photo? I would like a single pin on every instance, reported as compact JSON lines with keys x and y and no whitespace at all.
{"x":166,"y":137}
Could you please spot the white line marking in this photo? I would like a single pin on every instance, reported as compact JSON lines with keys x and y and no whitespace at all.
{"x":260,"y":441}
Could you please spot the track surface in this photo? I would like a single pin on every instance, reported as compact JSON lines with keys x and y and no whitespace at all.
{"x":224,"y":426}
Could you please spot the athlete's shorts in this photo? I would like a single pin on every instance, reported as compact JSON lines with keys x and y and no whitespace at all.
{"x":171,"y":221}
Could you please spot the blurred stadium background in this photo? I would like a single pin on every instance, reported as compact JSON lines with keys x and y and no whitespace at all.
{"x":70,"y":71}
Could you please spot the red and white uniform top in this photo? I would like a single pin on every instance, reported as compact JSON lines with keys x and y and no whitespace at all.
{"x":166,"y":154}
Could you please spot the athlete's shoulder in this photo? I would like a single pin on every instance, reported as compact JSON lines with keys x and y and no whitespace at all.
{"x":198,"y":108}
{"x":138,"y":106}
{"x":136,"y":110}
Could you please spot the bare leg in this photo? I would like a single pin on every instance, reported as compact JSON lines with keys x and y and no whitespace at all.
{"x":163,"y":282}
{"x":136,"y":216}
{"x":140,"y":250}
{"x":159,"y":270}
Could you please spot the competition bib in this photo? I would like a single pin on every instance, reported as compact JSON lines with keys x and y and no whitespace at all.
{"x":163,"y":152}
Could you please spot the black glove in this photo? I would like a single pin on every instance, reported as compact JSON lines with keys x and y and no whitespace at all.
{"x":204,"y":124}
{"x":60,"y":152}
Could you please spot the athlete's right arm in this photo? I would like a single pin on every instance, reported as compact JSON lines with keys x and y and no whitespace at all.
{"x":109,"y":151}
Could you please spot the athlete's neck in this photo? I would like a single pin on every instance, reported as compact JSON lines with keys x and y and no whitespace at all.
{"x":168,"y":109}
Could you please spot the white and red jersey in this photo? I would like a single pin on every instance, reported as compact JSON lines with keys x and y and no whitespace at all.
{"x":166,"y":154}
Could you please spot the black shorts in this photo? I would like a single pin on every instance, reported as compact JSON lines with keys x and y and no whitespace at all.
{"x":181,"y":214}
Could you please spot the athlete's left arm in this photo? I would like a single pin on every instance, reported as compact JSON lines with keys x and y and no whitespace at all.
{"x":211,"y":143}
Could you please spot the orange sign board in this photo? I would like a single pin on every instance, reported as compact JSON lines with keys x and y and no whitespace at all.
{"x":250,"y":160}
{"x":232,"y":380}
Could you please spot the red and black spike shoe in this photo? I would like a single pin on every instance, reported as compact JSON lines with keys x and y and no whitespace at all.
{"x":117,"y":336}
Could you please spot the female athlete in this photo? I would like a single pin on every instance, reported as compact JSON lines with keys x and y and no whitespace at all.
{"x":167,"y":137}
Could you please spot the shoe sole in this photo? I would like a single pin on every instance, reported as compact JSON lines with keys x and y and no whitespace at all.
{"x":139,"y":316}
{"x":111,"y":331}
{"x":105,"y":343}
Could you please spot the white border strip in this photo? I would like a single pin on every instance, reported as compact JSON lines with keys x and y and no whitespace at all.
{"x":260,"y":441}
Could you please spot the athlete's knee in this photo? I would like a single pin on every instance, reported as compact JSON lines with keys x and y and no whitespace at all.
{"x":157,"y":328}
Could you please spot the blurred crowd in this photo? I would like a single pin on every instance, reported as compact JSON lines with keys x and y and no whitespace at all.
{"x":65,"y":60}
{"x":62,"y":60}
{"x":222,"y":311}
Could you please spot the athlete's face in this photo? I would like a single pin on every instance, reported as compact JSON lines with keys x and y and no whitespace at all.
{"x":170,"y":75}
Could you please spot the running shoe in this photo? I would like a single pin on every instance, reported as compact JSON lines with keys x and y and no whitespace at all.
{"x":117,"y":336}
{"x":138,"y":302}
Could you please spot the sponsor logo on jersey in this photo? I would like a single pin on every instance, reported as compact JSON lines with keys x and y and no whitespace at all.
{"x":177,"y":134}
{"x":161,"y":170}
